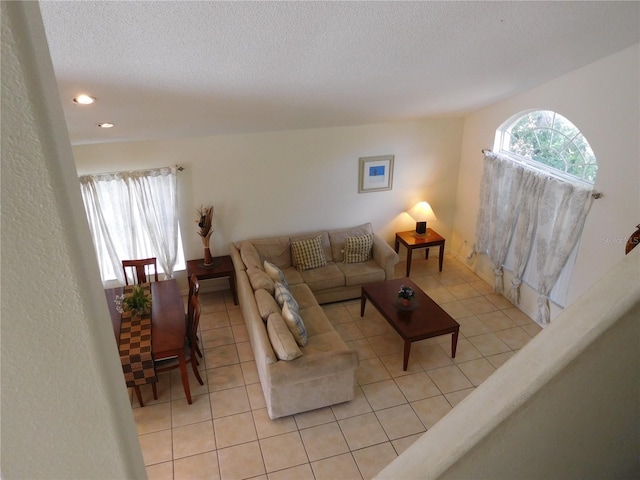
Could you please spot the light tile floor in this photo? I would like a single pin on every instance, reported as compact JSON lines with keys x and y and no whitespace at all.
{"x":227,"y":434}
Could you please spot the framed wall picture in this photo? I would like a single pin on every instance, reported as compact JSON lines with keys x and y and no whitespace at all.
{"x":376,"y":174}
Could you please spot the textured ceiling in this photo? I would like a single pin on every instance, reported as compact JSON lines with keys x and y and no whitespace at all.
{"x":179,"y":69}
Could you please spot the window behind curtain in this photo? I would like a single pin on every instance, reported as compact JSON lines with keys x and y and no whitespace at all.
{"x":120,"y":213}
{"x":546,"y":141}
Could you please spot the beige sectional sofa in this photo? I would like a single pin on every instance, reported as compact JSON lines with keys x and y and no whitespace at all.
{"x":302,"y":362}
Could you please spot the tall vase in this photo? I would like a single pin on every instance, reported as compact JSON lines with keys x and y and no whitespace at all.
{"x":208,"y":259}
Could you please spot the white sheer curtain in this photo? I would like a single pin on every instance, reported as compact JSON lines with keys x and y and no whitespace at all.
{"x":500,"y":191}
{"x":525,"y":226}
{"x":541,"y":210}
{"x":562,"y":211}
{"x":133,"y":215}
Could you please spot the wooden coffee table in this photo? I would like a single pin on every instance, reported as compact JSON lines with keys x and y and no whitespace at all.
{"x":427,"y":320}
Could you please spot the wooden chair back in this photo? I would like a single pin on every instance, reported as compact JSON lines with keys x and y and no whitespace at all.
{"x":194,"y":289}
{"x":140,"y":270}
{"x":193,"y":321}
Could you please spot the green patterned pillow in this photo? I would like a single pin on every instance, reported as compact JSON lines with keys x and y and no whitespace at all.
{"x":283,"y":295}
{"x":294,"y":321}
{"x":308,"y":254}
{"x":275,"y":273}
{"x":358,"y":249}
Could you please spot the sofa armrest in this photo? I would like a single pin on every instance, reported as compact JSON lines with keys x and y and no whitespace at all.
{"x":384,"y":256}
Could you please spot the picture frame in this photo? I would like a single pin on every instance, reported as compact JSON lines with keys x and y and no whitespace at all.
{"x":376,"y":173}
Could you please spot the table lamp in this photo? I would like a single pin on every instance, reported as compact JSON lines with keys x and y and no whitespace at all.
{"x":422,"y":213}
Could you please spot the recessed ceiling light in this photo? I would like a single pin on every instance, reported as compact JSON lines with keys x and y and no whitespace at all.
{"x":105,"y":125}
{"x":84,"y":99}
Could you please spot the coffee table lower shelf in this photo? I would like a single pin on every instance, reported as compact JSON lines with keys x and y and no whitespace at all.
{"x":426,"y":321}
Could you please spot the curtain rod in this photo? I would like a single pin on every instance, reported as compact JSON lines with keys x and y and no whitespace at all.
{"x":177,"y":167}
{"x":595,"y":195}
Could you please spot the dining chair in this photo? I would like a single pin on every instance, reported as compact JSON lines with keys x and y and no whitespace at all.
{"x":194,"y":290}
{"x":140,"y":270}
{"x":170,"y":363}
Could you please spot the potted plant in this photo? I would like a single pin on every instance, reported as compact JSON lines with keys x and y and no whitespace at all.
{"x":137,"y":302}
{"x":405,"y":295}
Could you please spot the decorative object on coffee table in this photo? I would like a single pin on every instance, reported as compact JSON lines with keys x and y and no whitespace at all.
{"x":406,"y":299}
{"x":205,"y":219}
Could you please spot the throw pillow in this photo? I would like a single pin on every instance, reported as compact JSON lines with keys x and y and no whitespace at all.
{"x":266,"y":304}
{"x":275,"y":273}
{"x":308,"y":254}
{"x":282,"y":294}
{"x":358,"y":249}
{"x":294,"y":321}
{"x":282,"y":341}
{"x":259,"y":280}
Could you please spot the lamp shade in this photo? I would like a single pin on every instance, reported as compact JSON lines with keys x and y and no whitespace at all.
{"x":422,"y":213}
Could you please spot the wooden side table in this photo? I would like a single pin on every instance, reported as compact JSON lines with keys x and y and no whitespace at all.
{"x":222,"y":267}
{"x":413,"y":240}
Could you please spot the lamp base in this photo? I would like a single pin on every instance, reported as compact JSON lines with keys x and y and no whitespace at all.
{"x":421,"y":227}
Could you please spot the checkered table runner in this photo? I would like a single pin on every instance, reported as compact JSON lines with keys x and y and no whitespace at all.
{"x":136,"y":353}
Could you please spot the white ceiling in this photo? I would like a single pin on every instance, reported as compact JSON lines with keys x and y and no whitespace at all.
{"x":163,"y":69}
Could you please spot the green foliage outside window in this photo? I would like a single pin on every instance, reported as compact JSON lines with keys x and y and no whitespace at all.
{"x":550,"y":139}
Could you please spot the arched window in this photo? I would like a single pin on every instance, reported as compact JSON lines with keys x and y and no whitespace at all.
{"x":547,"y":140}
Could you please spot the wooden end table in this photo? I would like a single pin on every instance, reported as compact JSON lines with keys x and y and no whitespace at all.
{"x":426,"y":320}
{"x":222,"y":267}
{"x":413,"y":240}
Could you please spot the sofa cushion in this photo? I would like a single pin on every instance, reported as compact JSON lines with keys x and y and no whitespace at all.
{"x":329,"y":342}
{"x":315,"y":321}
{"x":294,"y":321}
{"x":308,"y":254}
{"x":282,"y":294}
{"x":322,"y":278}
{"x":292,"y":275}
{"x":250,"y":255}
{"x":274,"y":273}
{"x":259,"y":280}
{"x":358,"y":249}
{"x":338,"y":236}
{"x":266,"y":304}
{"x":361,"y":273}
{"x":281,"y":339}
{"x":275,"y":249}
{"x":303,"y":295}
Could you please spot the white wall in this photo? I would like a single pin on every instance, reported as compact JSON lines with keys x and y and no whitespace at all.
{"x":65,"y":408}
{"x":602,"y":100}
{"x":284,"y":182}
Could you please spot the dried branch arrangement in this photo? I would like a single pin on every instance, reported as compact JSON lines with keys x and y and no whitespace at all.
{"x":205,"y":219}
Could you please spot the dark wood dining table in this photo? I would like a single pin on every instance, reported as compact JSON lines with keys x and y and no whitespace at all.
{"x":168,"y":326}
